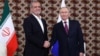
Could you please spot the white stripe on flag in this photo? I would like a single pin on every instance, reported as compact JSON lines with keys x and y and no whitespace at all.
{"x":3,"y":50}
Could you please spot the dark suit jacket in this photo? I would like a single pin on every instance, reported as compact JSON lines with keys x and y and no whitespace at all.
{"x":34,"y":37}
{"x":69,"y":44}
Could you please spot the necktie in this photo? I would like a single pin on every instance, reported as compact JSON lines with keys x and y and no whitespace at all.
{"x":66,"y":27}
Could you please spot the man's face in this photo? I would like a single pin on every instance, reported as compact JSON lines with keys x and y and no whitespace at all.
{"x":64,"y":13}
{"x":36,"y":8}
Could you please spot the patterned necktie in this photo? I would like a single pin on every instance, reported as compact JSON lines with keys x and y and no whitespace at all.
{"x":66,"y":27}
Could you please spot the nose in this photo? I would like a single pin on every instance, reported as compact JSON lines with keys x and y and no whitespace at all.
{"x":38,"y":7}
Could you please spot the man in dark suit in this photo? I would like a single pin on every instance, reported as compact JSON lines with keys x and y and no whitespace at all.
{"x":69,"y":35}
{"x":35,"y":32}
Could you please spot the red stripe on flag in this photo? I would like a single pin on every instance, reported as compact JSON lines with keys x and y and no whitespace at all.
{"x":12,"y":46}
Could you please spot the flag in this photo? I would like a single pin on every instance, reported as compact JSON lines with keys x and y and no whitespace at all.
{"x":55,"y":47}
{"x":8,"y":39}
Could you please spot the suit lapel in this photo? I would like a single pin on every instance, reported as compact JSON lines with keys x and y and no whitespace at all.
{"x":70,"y":27}
{"x":44,"y":25}
{"x":62,"y":27}
{"x":35,"y":21}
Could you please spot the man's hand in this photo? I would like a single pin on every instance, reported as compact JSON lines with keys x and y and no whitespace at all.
{"x":46,"y":44}
{"x":81,"y":54}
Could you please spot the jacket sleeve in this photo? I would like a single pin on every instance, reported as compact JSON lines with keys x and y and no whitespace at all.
{"x":80,"y":39}
{"x":54,"y":36}
{"x":45,"y":24}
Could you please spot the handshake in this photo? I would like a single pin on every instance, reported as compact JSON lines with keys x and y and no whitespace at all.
{"x":46,"y":44}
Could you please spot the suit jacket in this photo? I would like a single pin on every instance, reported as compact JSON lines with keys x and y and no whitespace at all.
{"x":70,"y":44}
{"x":34,"y":37}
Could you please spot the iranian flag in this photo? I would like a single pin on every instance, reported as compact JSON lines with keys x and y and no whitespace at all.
{"x":8,"y":40}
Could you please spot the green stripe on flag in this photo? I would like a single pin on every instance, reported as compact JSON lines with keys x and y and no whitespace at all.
{"x":5,"y":12}
{"x":5,"y":20}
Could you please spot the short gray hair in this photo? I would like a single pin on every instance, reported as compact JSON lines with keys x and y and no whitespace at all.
{"x":66,"y":8}
{"x":33,"y":1}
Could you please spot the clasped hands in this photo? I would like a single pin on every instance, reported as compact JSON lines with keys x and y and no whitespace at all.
{"x":46,"y":44}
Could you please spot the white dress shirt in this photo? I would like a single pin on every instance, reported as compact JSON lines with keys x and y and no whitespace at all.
{"x":40,"y":22}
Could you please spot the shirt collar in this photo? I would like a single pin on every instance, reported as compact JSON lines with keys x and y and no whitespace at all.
{"x":37,"y":17}
{"x":67,"y":20}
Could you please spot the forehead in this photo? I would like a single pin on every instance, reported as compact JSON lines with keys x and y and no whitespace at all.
{"x":35,"y":3}
{"x":63,"y":9}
